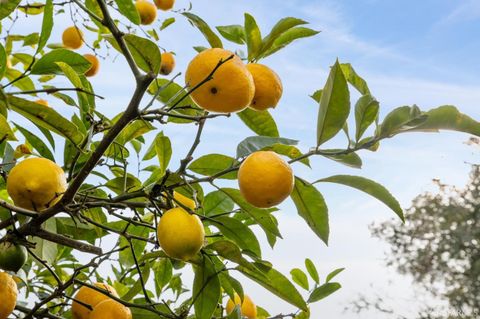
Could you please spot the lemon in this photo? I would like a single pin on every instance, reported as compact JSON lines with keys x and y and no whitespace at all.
{"x":8,"y":293}
{"x":90,"y":297}
{"x":95,"y":65}
{"x":248,"y":308}
{"x":180,"y":234}
{"x":36,"y":183}
{"x":167,"y":64}
{"x":147,"y":11}
{"x":110,"y":309}
{"x":265,"y":179}
{"x":164,"y":4}
{"x":12,"y":256}
{"x":231,"y":88}
{"x":268,"y":87}
{"x":72,"y":38}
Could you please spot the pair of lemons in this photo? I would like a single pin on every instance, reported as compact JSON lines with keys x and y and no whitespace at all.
{"x":103,"y":307}
{"x":148,"y":11}
{"x":234,"y":85}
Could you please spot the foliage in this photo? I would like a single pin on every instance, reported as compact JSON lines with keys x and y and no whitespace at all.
{"x":109,"y":200}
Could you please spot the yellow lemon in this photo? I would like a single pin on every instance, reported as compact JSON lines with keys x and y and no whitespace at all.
{"x":167,"y":64}
{"x":164,"y":4}
{"x":248,"y":308}
{"x":36,"y":183}
{"x":110,"y":309}
{"x":268,"y":87}
{"x":95,"y":64}
{"x":147,"y":11}
{"x":8,"y":292}
{"x":231,"y":88}
{"x":265,"y":179}
{"x":90,"y":297}
{"x":72,"y":38}
{"x":180,"y":234}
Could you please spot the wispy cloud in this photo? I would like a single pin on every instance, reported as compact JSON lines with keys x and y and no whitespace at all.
{"x":466,"y":11}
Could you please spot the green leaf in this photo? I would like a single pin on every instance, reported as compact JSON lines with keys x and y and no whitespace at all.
{"x":47,"y":64}
{"x":167,"y":22}
{"x":163,"y":273}
{"x":47,"y":118}
{"x":238,"y":232}
{"x":128,"y":9}
{"x":401,"y":119}
{"x":311,"y":207}
{"x":234,"y":33}
{"x":334,"y":105}
{"x":6,"y":132}
{"x":206,"y":289}
{"x":253,"y":37}
{"x":77,"y":82}
{"x":7,"y":7}
{"x":278,"y":29}
{"x":37,"y":143}
{"x":350,"y":159}
{"x":447,"y":117}
{"x":300,"y":278}
{"x":288,"y":37}
{"x":137,"y":287}
{"x":290,"y":151}
{"x":276,"y":283}
{"x":354,"y":79}
{"x":24,"y":84}
{"x":261,"y":216}
{"x":3,"y":61}
{"x":211,"y":37}
{"x":366,"y":112}
{"x":145,"y":53}
{"x":125,"y":256}
{"x":163,"y":148}
{"x":370,"y":187}
{"x":212,"y":164}
{"x":312,"y":270}
{"x":261,"y":122}
{"x":331,"y":275}
{"x":230,"y":251}
{"x":323,"y":291}
{"x":217,"y":202}
{"x":45,"y":249}
{"x":47,"y":25}
{"x":255,"y":143}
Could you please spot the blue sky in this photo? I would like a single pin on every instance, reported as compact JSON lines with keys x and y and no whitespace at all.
{"x":422,"y":52}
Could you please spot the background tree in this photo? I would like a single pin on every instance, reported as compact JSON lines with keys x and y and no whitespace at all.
{"x":104,"y":198}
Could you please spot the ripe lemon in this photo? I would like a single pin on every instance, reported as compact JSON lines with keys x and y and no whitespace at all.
{"x":110,"y":309}
{"x":42,"y":101}
{"x":164,"y":4}
{"x":12,"y":257}
{"x":265,"y":179}
{"x":90,"y":297}
{"x":180,"y":234}
{"x":95,"y":64}
{"x":147,"y":11}
{"x":36,"y":183}
{"x":231,"y":88}
{"x":8,"y":293}
{"x":167,"y":64}
{"x":268,"y":87}
{"x":72,"y":38}
{"x":248,"y":308}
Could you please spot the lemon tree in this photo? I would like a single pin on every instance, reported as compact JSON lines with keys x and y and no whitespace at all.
{"x":69,"y":189}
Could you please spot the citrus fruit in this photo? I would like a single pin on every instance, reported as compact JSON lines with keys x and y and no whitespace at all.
{"x":42,"y":101}
{"x":90,"y":297}
{"x":147,"y":11}
{"x":12,"y":256}
{"x":167,"y":64}
{"x":8,"y":292}
{"x":231,"y":88}
{"x":95,"y":64}
{"x":164,"y":4}
{"x":248,"y":308}
{"x":268,"y":87}
{"x":180,"y":234}
{"x":36,"y":183}
{"x":265,"y":179}
{"x":110,"y":309}
{"x":72,"y":38}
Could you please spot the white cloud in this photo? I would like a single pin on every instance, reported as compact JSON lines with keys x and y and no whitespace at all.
{"x":467,"y":10}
